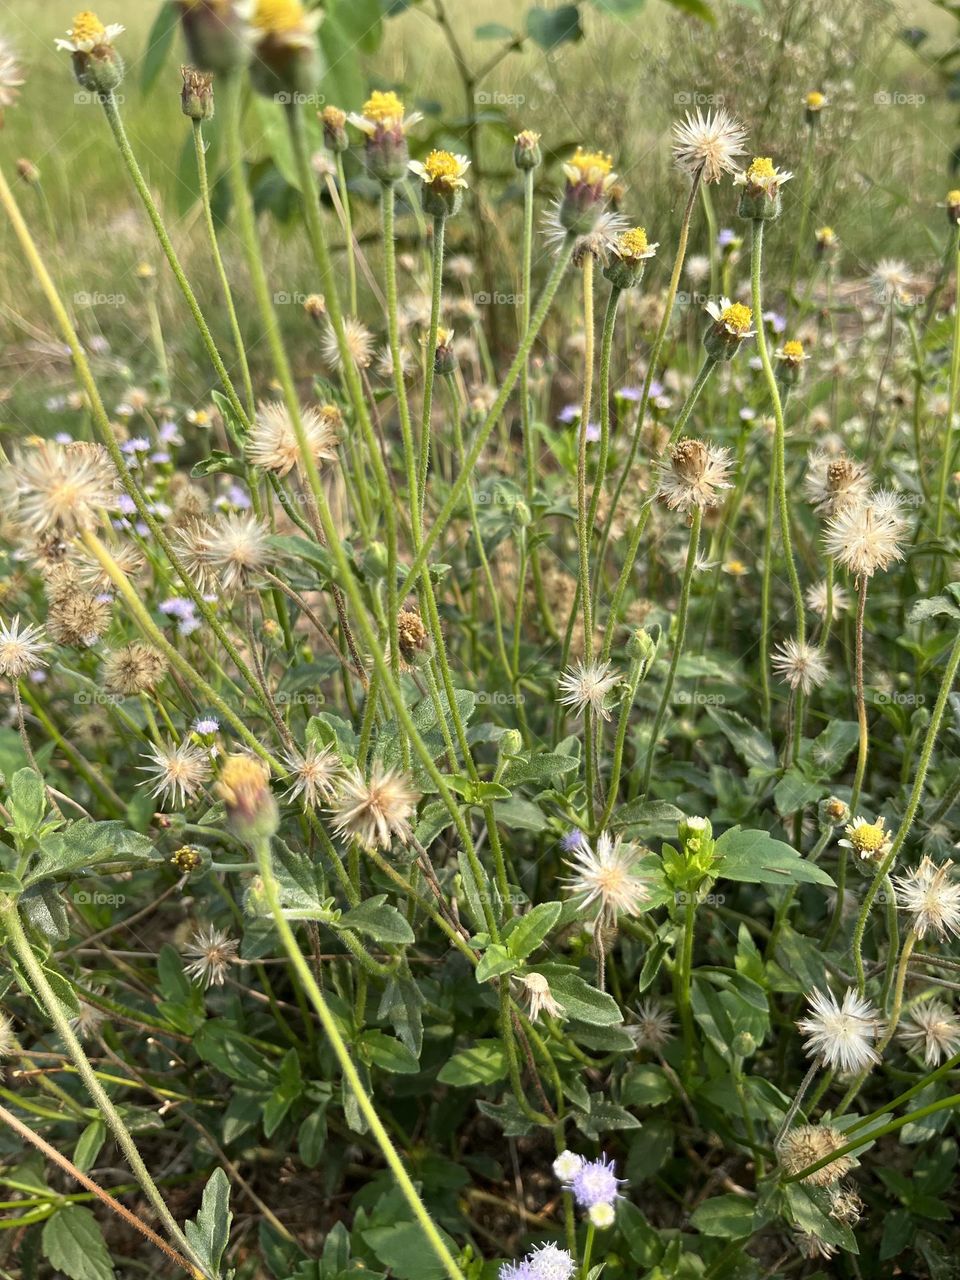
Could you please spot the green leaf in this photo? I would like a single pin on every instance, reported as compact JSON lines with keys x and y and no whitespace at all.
{"x":378,"y":920}
{"x":89,"y":1145}
{"x":483,"y":1063}
{"x":27,"y":803}
{"x":580,"y":1001}
{"x":754,"y":857}
{"x":90,"y":844}
{"x":388,"y":1054}
{"x":645,"y":1086}
{"x":209,"y":1233}
{"x":753,"y":747}
{"x":288,"y":1089}
{"x":496,"y":960}
{"x":731,"y":1217}
{"x":73,"y":1243}
{"x":527,"y":932}
{"x":551,"y":27}
{"x":492,"y":31}
{"x":159,"y":44}
{"x":656,"y":817}
{"x":400,"y":1248}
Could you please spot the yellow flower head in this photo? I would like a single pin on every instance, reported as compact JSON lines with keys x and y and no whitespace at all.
{"x":278,"y":17}
{"x":244,"y":788}
{"x":868,"y":839}
{"x":588,"y":166}
{"x":333,"y":117}
{"x":145,"y":271}
{"x":761,"y":168}
{"x":384,"y":109}
{"x":527,"y":138}
{"x":953,"y":197}
{"x":793,"y":350}
{"x":826,"y":235}
{"x":736,"y":318}
{"x":444,"y":169}
{"x":633,"y":243}
{"x":815,"y":100}
{"x":87,"y":27}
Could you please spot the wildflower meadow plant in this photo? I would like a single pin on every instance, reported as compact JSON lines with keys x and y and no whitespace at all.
{"x":478,"y":792}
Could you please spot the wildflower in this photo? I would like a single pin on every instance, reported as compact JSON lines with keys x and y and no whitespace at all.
{"x":62,"y":488}
{"x":628,"y":258}
{"x":934,"y":1029}
{"x":178,"y":772}
{"x":11,"y":81}
{"x":952,"y":206}
{"x":694,"y":475}
{"x":589,"y":176}
{"x":87,"y":1023}
{"x":808,"y":1143}
{"x":526,"y":150}
{"x":801,"y":665}
{"x":386,"y":126}
{"x":358,"y":341}
{"x":792,"y":358}
{"x":272,"y":443}
{"x":78,"y":618}
{"x":8,"y":1040}
{"x":845,"y":1206}
{"x":586,"y":686}
{"x":334,"y":123}
{"x":607,"y":874}
{"x":761,"y":182}
{"x":810,"y":1245}
{"x":834,"y":482}
{"x":212,"y":952}
{"x":892,"y":282}
{"x":314,"y":774}
{"x":550,"y":1262}
{"x":444,"y":357}
{"x":217,"y":33}
{"x":708,"y":145}
{"x":244,"y":788}
{"x":225,"y":552}
{"x":814,"y":102}
{"x":869,"y":840}
{"x":539,"y":997}
{"x":413,"y":639}
{"x":732,"y":323}
{"x":602,"y":1215}
{"x":818,"y":595}
{"x":567,"y":1165}
{"x":377,"y":811}
{"x":595,"y":1183}
{"x":96,"y":64}
{"x":842,"y":1034}
{"x":865,"y":538}
{"x":196,"y":96}
{"x":825,"y":241}
{"x":931,"y":897}
{"x":442,"y":182}
{"x":285,"y":61}
{"x":654,"y":1026}
{"x":136,"y":668}
{"x":186,"y":859}
{"x":21,"y":649}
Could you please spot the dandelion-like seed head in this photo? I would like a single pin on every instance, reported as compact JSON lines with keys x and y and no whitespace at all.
{"x":273,"y":444}
{"x":606,"y":873}
{"x":212,"y":953}
{"x":78,"y":618}
{"x":377,"y":810}
{"x":135,"y":668}
{"x":801,"y":665}
{"x":11,"y":82}
{"x":866,"y":537}
{"x":805,"y":1145}
{"x":708,"y":144}
{"x":176,"y":773}
{"x":893,"y":282}
{"x":226,"y":552}
{"x":540,"y":999}
{"x":654,"y":1026}
{"x":842,"y":1034}
{"x":21,"y":649}
{"x":932,"y":1029}
{"x":358,"y":340}
{"x":820,"y":596}
{"x":314,"y":773}
{"x":834,"y":482}
{"x":932,"y":897}
{"x":62,"y":488}
{"x":694,"y":475}
{"x":586,"y":685}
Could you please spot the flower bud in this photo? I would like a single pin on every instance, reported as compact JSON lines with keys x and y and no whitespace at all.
{"x":286,"y":63}
{"x":526,"y":150}
{"x":953,"y":207}
{"x":28,"y":172}
{"x":690,"y":829}
{"x":761,"y":184}
{"x":831,"y":813}
{"x":96,"y":64}
{"x":628,"y":258}
{"x":244,"y":788}
{"x":385,"y":125}
{"x":334,"y":123}
{"x":216,"y":34}
{"x":731,"y":325}
{"x":442,"y":182}
{"x":186,"y":859}
{"x":813,"y":104}
{"x":444,"y":357}
{"x":589,"y":179}
{"x":744,"y":1045}
{"x":196,"y":96}
{"x":790,"y":360}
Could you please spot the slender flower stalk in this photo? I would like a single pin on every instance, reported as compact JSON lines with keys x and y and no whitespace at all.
{"x":429,"y":372}
{"x":583,"y":529}
{"x":51,"y":1003}
{"x":953,"y":396}
{"x":683,"y":607}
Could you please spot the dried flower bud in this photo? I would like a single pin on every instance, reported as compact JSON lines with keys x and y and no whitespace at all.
{"x":526,"y":150}
{"x":196,"y":96}
{"x":28,"y":172}
{"x":334,"y":123}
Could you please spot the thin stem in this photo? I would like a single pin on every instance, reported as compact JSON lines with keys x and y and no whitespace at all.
{"x":348,"y":234}
{"x":429,"y":371}
{"x":583,"y":531}
{"x":954,"y":388}
{"x":261,"y":850}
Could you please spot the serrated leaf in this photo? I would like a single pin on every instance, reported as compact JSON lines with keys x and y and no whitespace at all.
{"x":209,"y":1233}
{"x":483,"y":1063}
{"x":527,"y":932}
{"x":73,"y":1243}
{"x":580,"y":1001}
{"x":379,"y":920}
{"x":731,"y":1217}
{"x":755,"y":857}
